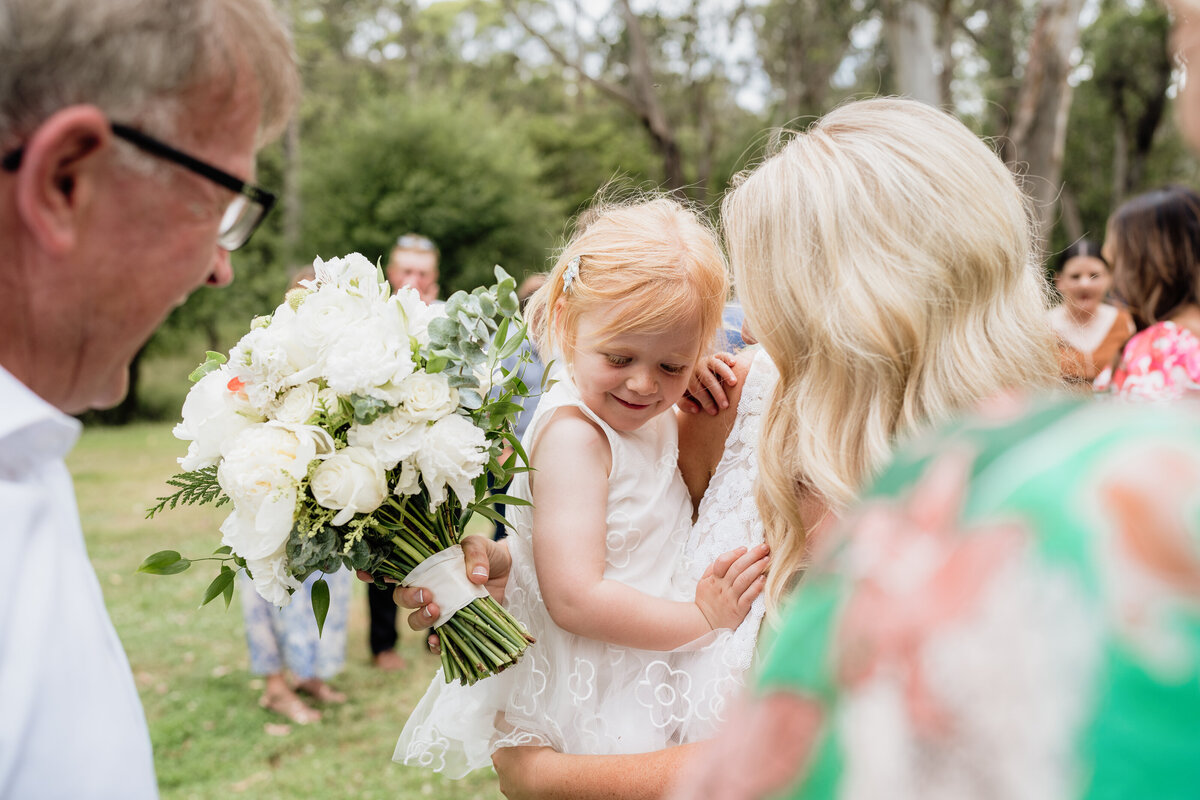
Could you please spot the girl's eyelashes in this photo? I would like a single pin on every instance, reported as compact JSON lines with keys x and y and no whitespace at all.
{"x":618,"y":361}
{"x":673,"y":369}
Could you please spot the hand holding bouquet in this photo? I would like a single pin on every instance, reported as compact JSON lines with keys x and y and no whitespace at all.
{"x":355,"y":427}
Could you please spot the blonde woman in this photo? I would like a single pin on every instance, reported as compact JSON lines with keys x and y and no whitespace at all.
{"x":885,"y":263}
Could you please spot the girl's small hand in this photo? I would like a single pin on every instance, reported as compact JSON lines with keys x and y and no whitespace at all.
{"x":729,"y":586}
{"x":706,"y":390}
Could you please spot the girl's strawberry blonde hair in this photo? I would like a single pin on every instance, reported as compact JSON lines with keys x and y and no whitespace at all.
{"x":657,"y":262}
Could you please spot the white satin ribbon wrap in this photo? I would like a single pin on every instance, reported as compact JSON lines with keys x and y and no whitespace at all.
{"x":445,"y":575}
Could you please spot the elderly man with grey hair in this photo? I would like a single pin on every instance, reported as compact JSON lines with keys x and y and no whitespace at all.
{"x":128,"y":130}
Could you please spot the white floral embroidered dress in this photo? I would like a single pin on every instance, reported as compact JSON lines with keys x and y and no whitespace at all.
{"x":575,"y":694}
{"x":728,"y":518}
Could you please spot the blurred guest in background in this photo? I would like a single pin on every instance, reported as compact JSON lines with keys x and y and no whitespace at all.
{"x":1153,"y":243}
{"x":1090,"y":330}
{"x":414,"y":264}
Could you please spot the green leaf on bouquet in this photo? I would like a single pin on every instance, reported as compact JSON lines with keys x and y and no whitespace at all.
{"x":442,"y":330}
{"x":223,"y":550}
{"x":499,"y":339}
{"x":473,"y":353}
{"x":507,"y":300}
{"x":514,"y":441}
{"x":436,"y":364}
{"x":164,"y":562}
{"x":460,"y":380}
{"x":490,"y":513}
{"x":487,"y":305}
{"x":320,"y":603}
{"x":507,"y":499}
{"x":510,"y":347}
{"x":219,"y":585}
{"x":470,"y":399}
{"x":504,"y":408}
{"x":196,"y":487}
{"x":367,"y":409}
{"x":212,"y":361}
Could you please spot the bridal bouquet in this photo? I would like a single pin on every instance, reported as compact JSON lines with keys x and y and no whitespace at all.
{"x":355,"y":427}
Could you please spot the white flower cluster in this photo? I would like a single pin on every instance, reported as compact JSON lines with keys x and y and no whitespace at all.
{"x":279,"y":405}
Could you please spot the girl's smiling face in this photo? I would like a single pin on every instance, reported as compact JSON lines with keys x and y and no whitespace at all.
{"x":632,"y":377}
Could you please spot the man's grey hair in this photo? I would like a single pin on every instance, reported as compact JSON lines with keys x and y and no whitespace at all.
{"x":137,"y":59}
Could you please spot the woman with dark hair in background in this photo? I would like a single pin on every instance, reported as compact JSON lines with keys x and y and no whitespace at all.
{"x":1153,"y":244}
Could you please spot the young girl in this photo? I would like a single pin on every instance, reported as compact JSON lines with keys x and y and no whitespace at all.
{"x":597,"y":573}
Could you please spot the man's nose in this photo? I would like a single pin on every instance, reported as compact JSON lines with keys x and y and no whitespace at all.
{"x":222,"y":271}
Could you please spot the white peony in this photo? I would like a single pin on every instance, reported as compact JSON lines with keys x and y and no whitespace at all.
{"x":351,"y":481}
{"x":298,"y":405}
{"x":320,"y":321}
{"x":453,"y":453}
{"x":427,"y":397}
{"x":260,"y":361}
{"x":260,"y":470}
{"x":212,"y":413}
{"x":370,"y":357}
{"x":271,"y":579}
{"x":408,"y":481}
{"x":393,"y":437}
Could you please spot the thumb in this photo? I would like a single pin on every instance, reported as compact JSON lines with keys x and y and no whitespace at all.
{"x":475,"y":553}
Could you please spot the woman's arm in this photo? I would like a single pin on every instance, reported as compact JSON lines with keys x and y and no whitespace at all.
{"x":571,"y":465}
{"x":544,"y":774}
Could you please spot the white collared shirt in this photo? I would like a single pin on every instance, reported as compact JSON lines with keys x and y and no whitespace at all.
{"x":71,"y":722}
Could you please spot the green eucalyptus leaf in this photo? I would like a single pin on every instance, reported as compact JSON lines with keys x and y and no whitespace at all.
{"x":320,"y":603}
{"x":442,"y":331}
{"x":164,"y":562}
{"x":436,"y":364}
{"x":487,"y":305}
{"x":473,"y":353}
{"x":462,"y":381}
{"x":470,"y":399}
{"x":507,"y":300}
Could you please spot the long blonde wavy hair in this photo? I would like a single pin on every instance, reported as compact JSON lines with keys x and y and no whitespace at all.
{"x":885,"y":262}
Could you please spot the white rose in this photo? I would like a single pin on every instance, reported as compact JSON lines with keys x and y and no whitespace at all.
{"x":393,"y":437}
{"x":427,"y":397}
{"x":409,"y":480}
{"x":351,"y":481}
{"x":212,"y":413}
{"x":453,"y":453}
{"x":298,"y":405}
{"x":271,"y":579}
{"x":260,"y":524}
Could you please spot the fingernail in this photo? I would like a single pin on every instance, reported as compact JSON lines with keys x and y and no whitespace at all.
{"x":425,"y":611}
{"x":479,"y":571}
{"x":420,"y":597}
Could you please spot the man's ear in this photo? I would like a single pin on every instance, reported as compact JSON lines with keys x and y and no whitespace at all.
{"x":58,"y":175}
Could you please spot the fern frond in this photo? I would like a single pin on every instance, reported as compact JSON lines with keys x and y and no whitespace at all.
{"x":195,"y":488}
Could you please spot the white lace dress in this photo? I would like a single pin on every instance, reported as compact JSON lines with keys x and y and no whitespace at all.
{"x":574,"y":694}
{"x":728,"y":518}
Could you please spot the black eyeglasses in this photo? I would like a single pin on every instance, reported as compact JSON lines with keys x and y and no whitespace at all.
{"x":243,"y":215}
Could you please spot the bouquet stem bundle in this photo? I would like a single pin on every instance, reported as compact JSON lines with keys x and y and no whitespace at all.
{"x":480,"y":639}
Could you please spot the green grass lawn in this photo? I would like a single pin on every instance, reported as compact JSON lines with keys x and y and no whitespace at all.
{"x":211,"y":740}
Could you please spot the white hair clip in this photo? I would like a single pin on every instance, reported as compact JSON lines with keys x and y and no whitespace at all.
{"x":571,"y":273}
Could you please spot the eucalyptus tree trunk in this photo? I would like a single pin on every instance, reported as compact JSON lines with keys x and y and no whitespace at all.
{"x":1039,"y":130}
{"x":909,"y":31}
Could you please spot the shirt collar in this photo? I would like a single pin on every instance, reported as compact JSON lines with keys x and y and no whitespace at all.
{"x":42,"y":427}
